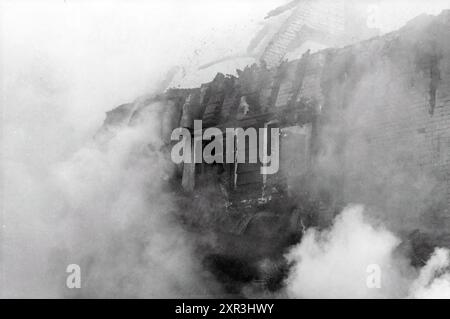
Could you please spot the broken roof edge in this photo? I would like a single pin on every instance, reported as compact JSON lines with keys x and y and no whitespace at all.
{"x":420,"y":22}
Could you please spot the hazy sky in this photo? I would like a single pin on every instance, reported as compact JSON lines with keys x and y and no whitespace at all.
{"x":98,"y":54}
{"x":70,"y":61}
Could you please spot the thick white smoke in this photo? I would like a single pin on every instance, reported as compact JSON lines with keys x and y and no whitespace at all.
{"x":434,"y":279}
{"x":105,"y":210}
{"x":357,"y":258}
{"x":67,"y":200}
{"x":119,"y":218}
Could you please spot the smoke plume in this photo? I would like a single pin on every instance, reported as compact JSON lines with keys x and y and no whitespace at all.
{"x":106,"y":211}
{"x":102,"y":204}
{"x":358,"y":258}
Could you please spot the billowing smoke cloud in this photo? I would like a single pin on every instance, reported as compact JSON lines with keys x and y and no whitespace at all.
{"x":359,"y":258}
{"x":122,"y":228}
{"x":434,"y":278}
{"x":69,"y":200}
{"x":105,"y":210}
{"x":334,"y":263}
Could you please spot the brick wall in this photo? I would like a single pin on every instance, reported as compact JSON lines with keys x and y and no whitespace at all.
{"x":385,"y":126}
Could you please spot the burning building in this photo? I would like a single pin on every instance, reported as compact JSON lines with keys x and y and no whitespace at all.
{"x":368,"y":122}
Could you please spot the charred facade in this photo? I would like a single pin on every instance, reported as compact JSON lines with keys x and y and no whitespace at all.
{"x":367,"y":123}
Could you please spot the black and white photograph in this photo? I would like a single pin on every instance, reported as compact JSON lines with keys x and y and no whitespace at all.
{"x":251,"y":150}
